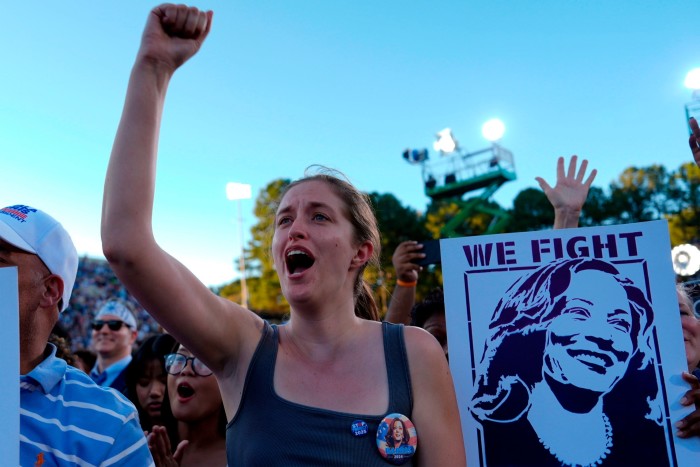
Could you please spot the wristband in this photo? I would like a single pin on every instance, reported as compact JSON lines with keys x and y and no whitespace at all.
{"x":401,"y":283}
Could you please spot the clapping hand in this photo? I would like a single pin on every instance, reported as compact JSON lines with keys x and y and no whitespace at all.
{"x":159,"y":445}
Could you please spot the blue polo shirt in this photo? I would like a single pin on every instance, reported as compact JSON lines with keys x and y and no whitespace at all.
{"x":66,"y":419}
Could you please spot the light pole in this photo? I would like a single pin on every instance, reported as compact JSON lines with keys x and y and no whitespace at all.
{"x":238,"y":192}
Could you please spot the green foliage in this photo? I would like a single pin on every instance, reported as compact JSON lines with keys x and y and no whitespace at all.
{"x":265,"y":293}
{"x":531,"y":211}
{"x":397,"y":223}
{"x":685,"y":221}
{"x":639,"y":194}
{"x":442,"y":212}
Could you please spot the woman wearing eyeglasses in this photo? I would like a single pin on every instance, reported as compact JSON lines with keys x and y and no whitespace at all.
{"x":194,"y":420}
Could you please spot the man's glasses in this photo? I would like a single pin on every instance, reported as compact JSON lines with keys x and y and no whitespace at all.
{"x":175,"y":363}
{"x":112,"y":324}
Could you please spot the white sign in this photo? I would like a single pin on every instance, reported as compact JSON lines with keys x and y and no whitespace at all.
{"x":566,"y":347}
{"x":9,"y":377}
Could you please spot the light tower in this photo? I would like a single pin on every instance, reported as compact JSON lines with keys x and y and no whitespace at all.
{"x":457,"y":172}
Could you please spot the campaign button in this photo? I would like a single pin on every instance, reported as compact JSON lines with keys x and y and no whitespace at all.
{"x":359,"y":428}
{"x":397,"y":439}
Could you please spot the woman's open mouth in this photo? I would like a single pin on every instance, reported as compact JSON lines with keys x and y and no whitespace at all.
{"x":298,"y":261}
{"x":185,"y":392}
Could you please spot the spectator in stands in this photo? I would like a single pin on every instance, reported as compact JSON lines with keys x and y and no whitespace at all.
{"x":429,"y":314}
{"x":65,"y":418}
{"x":114,"y":332}
{"x":146,"y":379}
{"x":690,"y":425}
{"x":84,"y":359}
{"x":193,"y":415}
{"x":95,"y":284}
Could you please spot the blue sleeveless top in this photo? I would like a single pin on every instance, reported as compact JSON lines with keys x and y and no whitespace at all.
{"x":268,"y":430}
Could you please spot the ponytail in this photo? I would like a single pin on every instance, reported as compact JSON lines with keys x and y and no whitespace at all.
{"x":365,"y":306}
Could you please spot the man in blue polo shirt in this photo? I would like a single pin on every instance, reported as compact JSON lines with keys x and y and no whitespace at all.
{"x":65,"y":418}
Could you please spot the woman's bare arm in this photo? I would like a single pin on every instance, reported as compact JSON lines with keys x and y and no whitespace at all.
{"x":435,"y":411}
{"x":211,"y":327}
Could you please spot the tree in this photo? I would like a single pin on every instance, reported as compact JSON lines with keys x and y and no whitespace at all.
{"x":397,"y":223}
{"x":265,"y":294}
{"x":641,"y":194}
{"x":685,"y":222}
{"x":441,"y":212}
{"x":531,"y":211}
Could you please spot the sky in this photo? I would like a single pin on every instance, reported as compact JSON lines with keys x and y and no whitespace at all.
{"x":281,"y":85}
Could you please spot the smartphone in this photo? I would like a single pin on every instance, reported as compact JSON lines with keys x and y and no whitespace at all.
{"x":431,"y":249}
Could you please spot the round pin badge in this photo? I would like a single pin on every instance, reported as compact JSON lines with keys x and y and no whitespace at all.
{"x":359,"y":428}
{"x":397,"y":439}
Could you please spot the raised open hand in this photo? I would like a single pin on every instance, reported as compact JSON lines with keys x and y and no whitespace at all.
{"x":159,"y":445}
{"x":694,"y":140}
{"x":569,"y":193}
{"x":174,"y":33}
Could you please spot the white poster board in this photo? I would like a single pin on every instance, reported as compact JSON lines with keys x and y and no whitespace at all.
{"x":566,"y":347}
{"x":9,"y":377}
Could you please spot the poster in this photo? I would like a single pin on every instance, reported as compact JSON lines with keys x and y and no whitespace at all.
{"x":566,"y":347}
{"x":9,"y":377}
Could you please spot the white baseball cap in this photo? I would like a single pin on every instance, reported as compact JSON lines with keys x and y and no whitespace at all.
{"x":34,"y":231}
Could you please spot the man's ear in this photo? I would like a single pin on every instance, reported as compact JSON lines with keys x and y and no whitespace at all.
{"x":53,"y":291}
{"x":364,"y":253}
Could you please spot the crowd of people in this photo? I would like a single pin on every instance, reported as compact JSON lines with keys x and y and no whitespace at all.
{"x":95,"y":284}
{"x":333,"y":385}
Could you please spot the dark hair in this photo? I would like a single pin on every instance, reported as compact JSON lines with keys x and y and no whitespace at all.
{"x":433,"y":303}
{"x":155,"y":348}
{"x":87,"y":356}
{"x":389,"y":438}
{"x":169,"y":420}
{"x":358,"y":209}
{"x":518,"y":327}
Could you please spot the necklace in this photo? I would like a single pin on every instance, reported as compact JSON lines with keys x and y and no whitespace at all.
{"x":566,"y":460}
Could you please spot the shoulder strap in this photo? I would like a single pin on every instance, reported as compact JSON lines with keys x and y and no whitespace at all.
{"x":400,"y":395}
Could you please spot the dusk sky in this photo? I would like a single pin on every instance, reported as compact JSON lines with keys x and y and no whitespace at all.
{"x":281,"y":85}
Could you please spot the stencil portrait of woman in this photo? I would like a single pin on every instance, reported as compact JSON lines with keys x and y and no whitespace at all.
{"x":567,"y":373}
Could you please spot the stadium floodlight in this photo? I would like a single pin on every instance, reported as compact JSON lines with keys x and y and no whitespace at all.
{"x":415,"y":156}
{"x":692,"y":79}
{"x":236,"y":191}
{"x":446,"y":143}
{"x":493,"y":130}
{"x":686,"y":259}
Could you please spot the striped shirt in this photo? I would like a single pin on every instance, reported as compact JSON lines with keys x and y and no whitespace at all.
{"x":66,"y":419}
